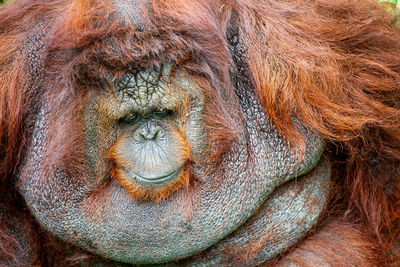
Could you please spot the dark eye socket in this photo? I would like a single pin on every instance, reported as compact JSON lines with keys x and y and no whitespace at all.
{"x":161,"y":113}
{"x":131,"y":118}
{"x":134,"y":117}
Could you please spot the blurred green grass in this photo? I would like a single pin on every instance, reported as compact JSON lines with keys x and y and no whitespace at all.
{"x":396,"y":2}
{"x":393,"y":4}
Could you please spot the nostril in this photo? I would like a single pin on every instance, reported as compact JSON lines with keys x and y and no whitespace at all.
{"x":150,"y":132}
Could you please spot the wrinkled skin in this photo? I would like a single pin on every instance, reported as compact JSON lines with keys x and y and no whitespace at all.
{"x":135,"y":126}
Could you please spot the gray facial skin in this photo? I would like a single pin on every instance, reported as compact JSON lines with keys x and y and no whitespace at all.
{"x":137,"y":231}
{"x":150,"y":150}
{"x":252,"y":190}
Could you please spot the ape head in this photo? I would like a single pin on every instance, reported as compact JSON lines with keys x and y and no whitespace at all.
{"x":196,"y":132}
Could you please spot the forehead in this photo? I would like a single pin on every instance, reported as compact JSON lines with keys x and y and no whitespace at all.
{"x":101,"y":38}
{"x":145,"y":89}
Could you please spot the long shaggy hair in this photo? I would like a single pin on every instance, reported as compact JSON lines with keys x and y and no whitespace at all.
{"x":335,"y":65}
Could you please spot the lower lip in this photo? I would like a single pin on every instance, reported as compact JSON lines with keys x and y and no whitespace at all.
{"x":157,"y":180}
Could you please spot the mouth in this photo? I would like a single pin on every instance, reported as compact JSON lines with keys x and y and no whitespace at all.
{"x":156,"y":179}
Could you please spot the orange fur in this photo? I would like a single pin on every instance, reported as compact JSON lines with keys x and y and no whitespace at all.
{"x":335,"y":65}
{"x":339,"y":243}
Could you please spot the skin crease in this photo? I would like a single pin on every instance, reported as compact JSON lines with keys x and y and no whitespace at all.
{"x":175,"y":133}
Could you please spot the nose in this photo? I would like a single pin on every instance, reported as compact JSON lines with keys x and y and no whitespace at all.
{"x":150,"y":131}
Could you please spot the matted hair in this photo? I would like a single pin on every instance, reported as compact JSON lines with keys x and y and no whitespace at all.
{"x":334,"y":65}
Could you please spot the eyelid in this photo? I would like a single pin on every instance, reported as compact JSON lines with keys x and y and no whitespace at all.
{"x":134,"y":117}
{"x":161,"y":113}
{"x":130,"y":118}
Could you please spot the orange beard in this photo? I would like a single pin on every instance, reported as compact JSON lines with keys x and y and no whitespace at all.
{"x":157,"y":194}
